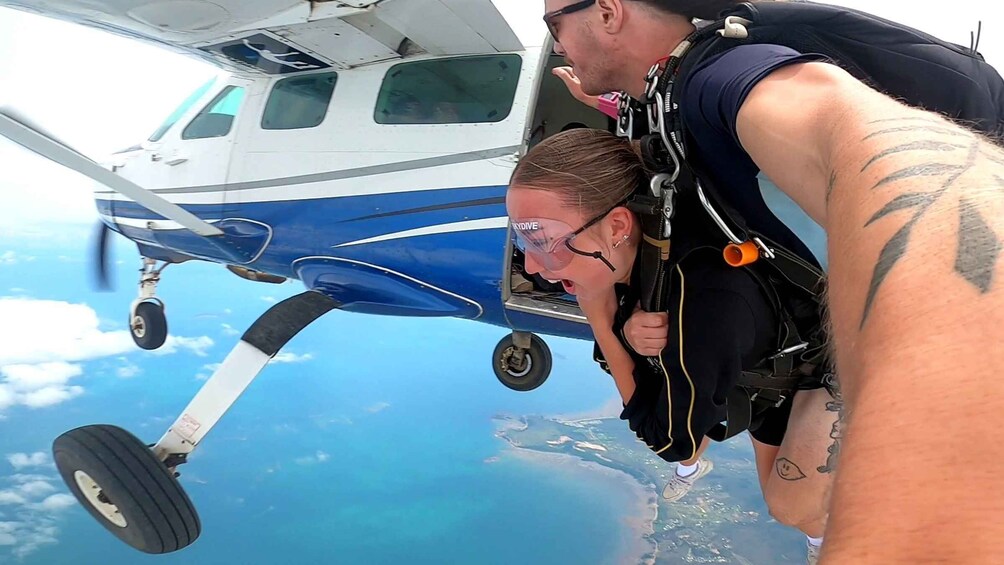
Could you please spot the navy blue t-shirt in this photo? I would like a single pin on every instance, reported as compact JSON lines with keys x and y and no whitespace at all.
{"x":710,"y":99}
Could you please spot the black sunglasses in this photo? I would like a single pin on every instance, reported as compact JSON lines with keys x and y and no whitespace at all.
{"x":550,"y":17}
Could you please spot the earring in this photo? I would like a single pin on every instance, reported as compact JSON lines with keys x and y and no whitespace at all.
{"x":618,"y":243}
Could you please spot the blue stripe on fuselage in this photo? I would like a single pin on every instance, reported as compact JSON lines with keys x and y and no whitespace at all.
{"x":468,"y":263}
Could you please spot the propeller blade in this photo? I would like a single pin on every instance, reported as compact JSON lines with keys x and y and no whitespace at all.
{"x":100,"y":257}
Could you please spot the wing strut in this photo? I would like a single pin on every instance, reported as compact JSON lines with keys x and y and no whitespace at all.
{"x":35,"y":140}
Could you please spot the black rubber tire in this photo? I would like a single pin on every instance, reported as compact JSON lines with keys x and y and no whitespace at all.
{"x":538,"y":358}
{"x":159,"y":516}
{"x":153,"y":332}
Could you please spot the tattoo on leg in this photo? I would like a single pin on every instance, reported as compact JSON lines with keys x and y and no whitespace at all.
{"x":837,"y":431}
{"x":787,"y":470}
{"x":979,"y":247}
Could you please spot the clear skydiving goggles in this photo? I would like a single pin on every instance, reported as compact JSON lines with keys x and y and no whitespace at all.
{"x":549,"y":242}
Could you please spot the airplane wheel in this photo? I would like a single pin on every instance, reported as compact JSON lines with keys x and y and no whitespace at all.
{"x":126,"y":488}
{"x":149,"y":325}
{"x":526,"y":374}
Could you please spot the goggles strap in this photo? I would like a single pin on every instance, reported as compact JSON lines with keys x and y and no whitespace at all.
{"x":594,"y":255}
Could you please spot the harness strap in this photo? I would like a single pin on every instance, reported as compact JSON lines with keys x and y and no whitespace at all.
{"x":745,"y":410}
{"x":757,"y":380}
{"x":739,"y":410}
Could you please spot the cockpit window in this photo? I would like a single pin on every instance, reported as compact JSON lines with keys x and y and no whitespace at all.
{"x":181,"y":109}
{"x":462,"y":90}
{"x":216,"y":119}
{"x":299,"y":102}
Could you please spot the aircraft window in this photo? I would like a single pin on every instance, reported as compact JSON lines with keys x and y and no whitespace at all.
{"x":463,"y":90}
{"x":181,"y":109}
{"x":299,"y":102}
{"x":216,"y":119}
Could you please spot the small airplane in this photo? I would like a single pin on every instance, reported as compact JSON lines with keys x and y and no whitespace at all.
{"x":362,"y":147}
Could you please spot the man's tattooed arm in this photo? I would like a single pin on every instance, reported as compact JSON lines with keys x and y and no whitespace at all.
{"x":947,"y":161}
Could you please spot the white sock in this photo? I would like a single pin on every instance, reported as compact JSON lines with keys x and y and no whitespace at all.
{"x":815,"y":542}
{"x":685,"y":470}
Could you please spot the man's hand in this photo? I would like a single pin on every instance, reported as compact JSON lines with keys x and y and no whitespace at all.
{"x":647,"y":332}
{"x":574,"y":86}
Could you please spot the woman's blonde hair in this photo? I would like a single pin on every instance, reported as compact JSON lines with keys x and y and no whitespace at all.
{"x":590,"y":169}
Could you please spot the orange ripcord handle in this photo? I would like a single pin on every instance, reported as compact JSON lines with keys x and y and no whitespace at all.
{"x":741,"y":255}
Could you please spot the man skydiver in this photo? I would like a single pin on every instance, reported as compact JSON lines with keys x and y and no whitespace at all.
{"x":912,"y":207}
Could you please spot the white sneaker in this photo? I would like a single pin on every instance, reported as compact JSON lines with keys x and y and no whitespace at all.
{"x":812,"y":556}
{"x":678,"y":486}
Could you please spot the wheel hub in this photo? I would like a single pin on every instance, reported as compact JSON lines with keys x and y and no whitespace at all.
{"x":520,"y":370}
{"x":138,"y":327}
{"x":96,"y":498}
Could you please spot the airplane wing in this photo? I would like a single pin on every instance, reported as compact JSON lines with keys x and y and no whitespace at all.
{"x":20,"y":130}
{"x":282,"y":36}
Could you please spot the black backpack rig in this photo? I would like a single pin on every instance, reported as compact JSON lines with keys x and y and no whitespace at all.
{"x":902,"y":62}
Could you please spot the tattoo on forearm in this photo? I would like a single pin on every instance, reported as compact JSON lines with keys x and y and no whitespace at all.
{"x":837,"y":431}
{"x":787,"y":470}
{"x":979,"y":247}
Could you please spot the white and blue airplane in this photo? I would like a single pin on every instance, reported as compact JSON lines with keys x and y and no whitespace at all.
{"x":362,"y":147}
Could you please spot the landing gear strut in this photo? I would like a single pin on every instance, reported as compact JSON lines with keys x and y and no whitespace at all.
{"x":131,"y":488}
{"x":147,"y":322}
{"x":522,"y":361}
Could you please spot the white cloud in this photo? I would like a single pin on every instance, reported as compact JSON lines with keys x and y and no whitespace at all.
{"x":378,"y":407}
{"x":35,"y":489}
{"x":55,"y":502}
{"x":196,"y":345}
{"x":269,"y":299}
{"x":8,"y":258}
{"x":128,"y":370}
{"x":38,"y":386}
{"x":50,"y":396}
{"x":38,"y":355}
{"x":26,"y":378}
{"x":35,"y":338}
{"x":318,"y":457}
{"x":11,"y":497}
{"x":229,"y":330}
{"x":207,"y":371}
{"x":7,"y":397}
{"x":22,"y":460}
{"x":21,"y":478}
{"x":32,"y":506}
{"x":287,"y":357}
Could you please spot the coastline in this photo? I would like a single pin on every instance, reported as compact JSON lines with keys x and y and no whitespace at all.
{"x":636,"y":539}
